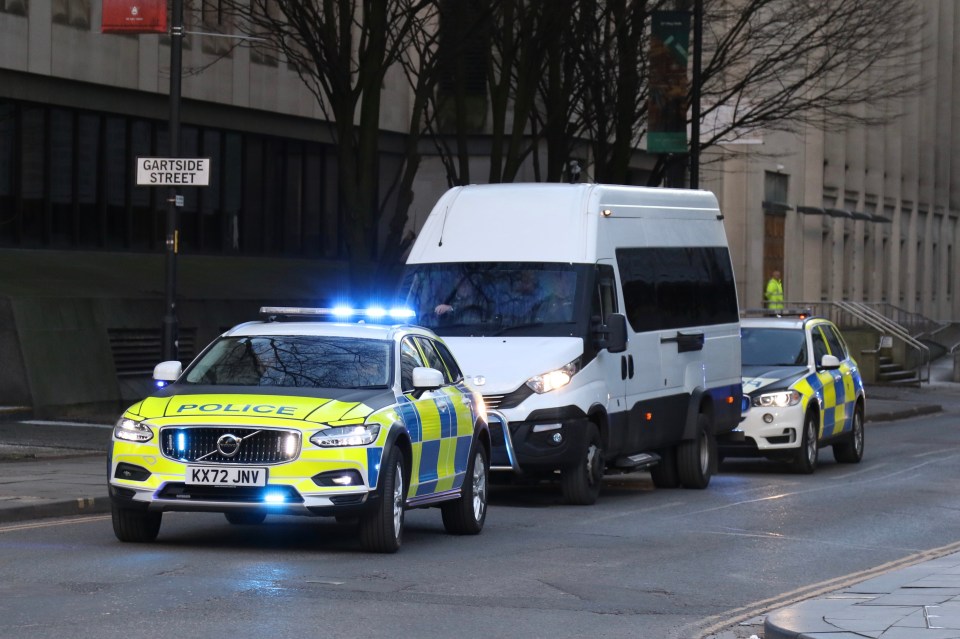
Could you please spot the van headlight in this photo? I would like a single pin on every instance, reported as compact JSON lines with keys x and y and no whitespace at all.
{"x":360,"y":435}
{"x":552,"y":380}
{"x":132,"y":431}
{"x":779,"y":399}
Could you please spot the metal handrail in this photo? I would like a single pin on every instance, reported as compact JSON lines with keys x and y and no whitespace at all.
{"x":875,"y":320}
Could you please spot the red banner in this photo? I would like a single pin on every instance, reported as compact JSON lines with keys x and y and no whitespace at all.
{"x":134,"y":16}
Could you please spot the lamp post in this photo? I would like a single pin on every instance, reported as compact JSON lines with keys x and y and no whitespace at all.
{"x":695,"y":94}
{"x":170,"y":322}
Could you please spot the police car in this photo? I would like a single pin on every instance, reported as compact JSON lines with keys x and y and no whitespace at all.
{"x":804,"y":390}
{"x":295,"y":416}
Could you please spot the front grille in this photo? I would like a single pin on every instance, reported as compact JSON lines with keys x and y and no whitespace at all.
{"x":258,"y":445}
{"x":508,"y":400}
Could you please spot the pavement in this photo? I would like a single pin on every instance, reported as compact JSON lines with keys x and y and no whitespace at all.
{"x":916,"y":601}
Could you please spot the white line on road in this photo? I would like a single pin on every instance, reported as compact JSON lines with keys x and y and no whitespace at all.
{"x":80,"y":519}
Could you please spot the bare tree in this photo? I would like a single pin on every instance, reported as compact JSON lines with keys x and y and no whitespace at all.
{"x":342,"y":50}
{"x":783,"y":64}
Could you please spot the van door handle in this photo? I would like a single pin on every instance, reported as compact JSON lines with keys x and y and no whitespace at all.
{"x":623,"y":367}
{"x":686,"y":342}
{"x":630,"y":366}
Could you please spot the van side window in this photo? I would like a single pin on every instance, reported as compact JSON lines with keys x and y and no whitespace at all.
{"x":604,"y":300}
{"x":677,"y":287}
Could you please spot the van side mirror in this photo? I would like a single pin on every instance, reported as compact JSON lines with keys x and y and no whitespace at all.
{"x":612,"y":335}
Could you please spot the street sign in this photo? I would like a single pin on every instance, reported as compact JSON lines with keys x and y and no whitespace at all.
{"x":173,"y":171}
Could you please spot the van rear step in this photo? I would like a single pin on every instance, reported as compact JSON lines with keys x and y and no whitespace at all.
{"x":638,"y":461}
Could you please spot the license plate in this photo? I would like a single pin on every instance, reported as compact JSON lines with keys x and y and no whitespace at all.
{"x":216,"y":476}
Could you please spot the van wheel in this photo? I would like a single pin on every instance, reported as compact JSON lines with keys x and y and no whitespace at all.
{"x":695,"y":458}
{"x":805,"y":457}
{"x":664,"y":474}
{"x":581,"y":483}
{"x":135,"y":525}
{"x":381,"y":529}
{"x":851,"y":451}
{"x":465,"y":516}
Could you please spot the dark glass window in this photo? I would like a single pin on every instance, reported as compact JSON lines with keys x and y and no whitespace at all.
{"x":773,"y":347}
{"x":67,"y":181}
{"x":295,"y":361}
{"x":677,"y":287}
{"x":834,"y":341}
{"x":819,"y":346}
{"x":410,"y":359}
{"x":452,"y":367}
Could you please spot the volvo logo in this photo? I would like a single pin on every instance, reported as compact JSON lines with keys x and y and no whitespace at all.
{"x":228,"y":445}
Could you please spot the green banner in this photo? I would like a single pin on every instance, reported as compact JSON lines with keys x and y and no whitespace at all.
{"x":667,"y":104}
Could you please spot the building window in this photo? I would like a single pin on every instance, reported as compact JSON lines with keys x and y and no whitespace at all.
{"x":16,"y":7}
{"x":73,"y":13}
{"x":67,"y":181}
{"x":775,"y":187}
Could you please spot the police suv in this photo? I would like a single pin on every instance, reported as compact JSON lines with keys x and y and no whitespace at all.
{"x":298,"y":417}
{"x":805,"y":393}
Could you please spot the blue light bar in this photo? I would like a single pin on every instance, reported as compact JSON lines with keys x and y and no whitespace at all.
{"x":342,"y":312}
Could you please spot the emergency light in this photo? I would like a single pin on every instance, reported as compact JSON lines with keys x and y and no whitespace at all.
{"x":341,"y":313}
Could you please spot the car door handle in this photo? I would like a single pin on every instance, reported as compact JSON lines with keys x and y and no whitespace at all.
{"x":623,"y":367}
{"x":686,"y":342}
{"x":630,"y":366}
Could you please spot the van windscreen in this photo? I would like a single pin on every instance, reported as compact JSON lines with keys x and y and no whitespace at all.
{"x":499,"y":298}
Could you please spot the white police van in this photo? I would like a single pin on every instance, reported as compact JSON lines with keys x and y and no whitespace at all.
{"x":599,"y":322}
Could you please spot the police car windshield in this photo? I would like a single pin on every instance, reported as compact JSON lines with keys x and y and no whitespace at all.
{"x":494,"y":298}
{"x":308,"y":361}
{"x":773,"y":347}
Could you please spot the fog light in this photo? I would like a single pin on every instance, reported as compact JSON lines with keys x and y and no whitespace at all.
{"x":556,"y":438}
{"x":274,"y":497}
{"x":338,"y":478}
{"x":768,"y":418}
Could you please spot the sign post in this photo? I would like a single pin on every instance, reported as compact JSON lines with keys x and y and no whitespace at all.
{"x":170,"y":323}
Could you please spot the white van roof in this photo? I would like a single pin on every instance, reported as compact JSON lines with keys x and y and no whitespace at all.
{"x":543,"y":222}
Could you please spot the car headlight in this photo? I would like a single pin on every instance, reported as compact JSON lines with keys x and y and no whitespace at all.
{"x":361,"y":435}
{"x":779,"y":399}
{"x":552,"y":380}
{"x":132,"y":431}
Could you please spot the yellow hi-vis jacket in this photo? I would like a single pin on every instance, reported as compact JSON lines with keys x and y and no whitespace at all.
{"x":774,"y":293}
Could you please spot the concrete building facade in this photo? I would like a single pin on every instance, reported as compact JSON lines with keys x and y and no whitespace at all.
{"x":864,"y":214}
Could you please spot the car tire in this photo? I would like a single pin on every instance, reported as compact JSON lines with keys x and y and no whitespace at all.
{"x":245,"y":519}
{"x":695,"y":458}
{"x":805,"y":457}
{"x":664,"y":473}
{"x":851,"y":450}
{"x":137,"y":526}
{"x":381,"y":529}
{"x":465,"y":516}
{"x":580,"y":484}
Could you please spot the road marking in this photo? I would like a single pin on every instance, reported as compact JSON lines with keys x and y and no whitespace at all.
{"x":44,"y":422}
{"x":737,"y":615}
{"x":81,"y":519}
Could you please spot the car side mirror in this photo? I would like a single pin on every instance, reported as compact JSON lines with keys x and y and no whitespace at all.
{"x":425,"y":379}
{"x":612,"y":335}
{"x":830,"y":362}
{"x":167,"y":371}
